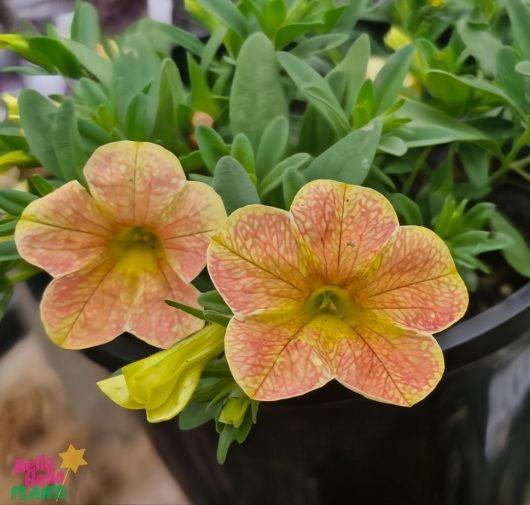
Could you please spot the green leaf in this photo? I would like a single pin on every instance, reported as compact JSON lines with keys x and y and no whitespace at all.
{"x":518,"y":253}
{"x":85,"y":25}
{"x":481,"y":44}
{"x":476,"y":163}
{"x":165,"y":97}
{"x":242,"y":151}
{"x":36,"y":118}
{"x":290,"y":32}
{"x":177,"y":35}
{"x":214,"y":301}
{"x":227,"y":13}
{"x":318,"y":44}
{"x":8,"y":251}
{"x":272,"y":146}
{"x":392,"y":145}
{"x":477,"y":242}
{"x":389,"y":80}
{"x":6,"y":292}
{"x":519,"y":13}
{"x":406,"y":209}
{"x":293,"y":180}
{"x":196,"y":414}
{"x":99,"y":67}
{"x":198,"y":313}
{"x":523,"y":67}
{"x":317,"y":90}
{"x":67,"y":142}
{"x":7,"y":228}
{"x":273,"y":16}
{"x":201,"y":96}
{"x":137,"y":119}
{"x":481,"y":87}
{"x":275,"y":176}
{"x":350,"y":159}
{"x":42,"y":186}
{"x":351,"y":14}
{"x":348,"y":76}
{"x":232,"y":183}
{"x":13,"y":202}
{"x":211,"y":145}
{"x":430,"y":126}
{"x":58,"y":55}
{"x":256,"y":96}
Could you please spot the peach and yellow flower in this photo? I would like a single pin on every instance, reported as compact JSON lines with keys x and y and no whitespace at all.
{"x":334,"y":289}
{"x":117,"y":253}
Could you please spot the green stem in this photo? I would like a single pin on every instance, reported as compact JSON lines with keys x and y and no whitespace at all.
{"x":418,"y":165}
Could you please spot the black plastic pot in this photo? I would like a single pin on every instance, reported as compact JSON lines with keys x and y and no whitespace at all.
{"x":468,"y":443}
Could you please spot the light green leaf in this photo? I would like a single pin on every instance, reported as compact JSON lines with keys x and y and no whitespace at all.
{"x":8,"y":251}
{"x":389,"y":80}
{"x":316,"y":89}
{"x":257,"y":96}
{"x":85,"y":25}
{"x":211,"y":146}
{"x":481,"y":44}
{"x":242,"y":151}
{"x":392,"y":145}
{"x":228,"y":14}
{"x":293,"y":180}
{"x":67,"y":142}
{"x":201,"y":96}
{"x":406,"y":209}
{"x":274,"y":178}
{"x":349,"y":160}
{"x":36,"y":118}
{"x":232,"y":183}
{"x":318,"y":44}
{"x":137,"y":118}
{"x":519,"y":13}
{"x":272,"y":146}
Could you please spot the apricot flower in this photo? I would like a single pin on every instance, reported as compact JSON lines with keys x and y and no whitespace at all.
{"x":138,"y":238}
{"x":334,"y":289}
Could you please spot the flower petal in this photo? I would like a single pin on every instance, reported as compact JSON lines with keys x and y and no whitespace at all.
{"x":88,"y":307}
{"x":151,"y":319}
{"x":63,"y":231}
{"x":389,"y":364}
{"x":270,"y":358}
{"x":414,"y":283}
{"x":255,"y":261}
{"x":134,"y":181}
{"x":187,"y":226}
{"x":343,"y":226}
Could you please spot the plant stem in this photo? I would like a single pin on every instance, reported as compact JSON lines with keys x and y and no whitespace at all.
{"x":418,"y":165}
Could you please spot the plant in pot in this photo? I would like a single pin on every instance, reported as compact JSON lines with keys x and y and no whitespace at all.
{"x":347,"y":172}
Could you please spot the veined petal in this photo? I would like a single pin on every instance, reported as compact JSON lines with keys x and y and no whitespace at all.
{"x":88,"y":307}
{"x":151,"y":319}
{"x":187,"y":225}
{"x":271,"y":359}
{"x":388,"y":364}
{"x":414,"y":283}
{"x":63,"y":231}
{"x":255,"y":261}
{"x":344,"y":226}
{"x":134,"y":181}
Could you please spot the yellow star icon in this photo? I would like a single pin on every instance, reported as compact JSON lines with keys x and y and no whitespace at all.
{"x":72,"y":458}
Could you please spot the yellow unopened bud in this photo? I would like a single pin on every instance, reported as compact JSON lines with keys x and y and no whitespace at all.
{"x":164,"y":383}
{"x":436,"y":3}
{"x":234,"y":411}
{"x":396,"y":38}
{"x":100,"y":49}
{"x":11,"y":106}
{"x":376,"y":63}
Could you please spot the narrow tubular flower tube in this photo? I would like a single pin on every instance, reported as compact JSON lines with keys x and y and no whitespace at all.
{"x":164,"y":383}
{"x":139,"y":237}
{"x":334,"y":289}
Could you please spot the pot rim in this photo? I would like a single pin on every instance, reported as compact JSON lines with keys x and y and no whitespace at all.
{"x":479,"y":335}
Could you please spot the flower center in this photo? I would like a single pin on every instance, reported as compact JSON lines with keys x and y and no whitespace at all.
{"x":331,"y":300}
{"x":136,"y":249}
